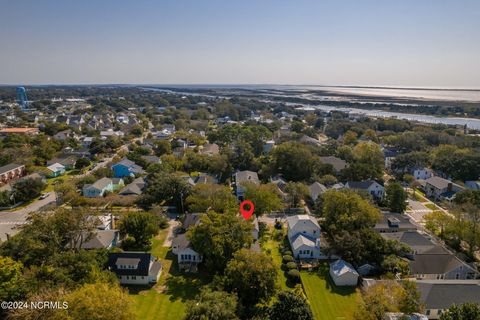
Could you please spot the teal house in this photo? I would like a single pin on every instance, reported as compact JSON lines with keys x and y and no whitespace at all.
{"x":55,"y":170}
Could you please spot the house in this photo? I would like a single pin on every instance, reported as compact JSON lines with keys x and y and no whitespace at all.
{"x":100,"y":187}
{"x":403,"y":316}
{"x":67,"y":161}
{"x":441,"y":266}
{"x":309,"y":140}
{"x":11,"y":172}
{"x":316,"y":189}
{"x":304,"y":237}
{"x":441,"y":189}
{"x":55,"y":170}
{"x":86,"y":142}
{"x":337,"y":163}
{"x":439,"y":295}
{"x":138,"y":268}
{"x":126,"y":168}
{"x":26,"y":131}
{"x":191,"y":220}
{"x":135,"y":188}
{"x":389,"y":155}
{"x":151,"y":159}
{"x":210,"y":149}
{"x":422,"y":173}
{"x":200,"y":179}
{"x":394,"y":222}
{"x":343,"y":274}
{"x":419,"y":243}
{"x":281,"y":185}
{"x":64,"y":135}
{"x":372,"y":187}
{"x":102,"y":239}
{"x":243,"y":177}
{"x":188,"y":258}
{"x":110,"y":133}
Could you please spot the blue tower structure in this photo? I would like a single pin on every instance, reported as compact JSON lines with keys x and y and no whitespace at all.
{"x":22,"y":98}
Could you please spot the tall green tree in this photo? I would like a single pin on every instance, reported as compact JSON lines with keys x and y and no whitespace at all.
{"x":396,"y":197}
{"x":265,"y":197}
{"x":219,"y":236}
{"x":213,"y":305}
{"x":252,"y":275}
{"x":140,"y":226}
{"x":290,"y":306}
{"x":466,"y":311}
{"x":211,"y":196}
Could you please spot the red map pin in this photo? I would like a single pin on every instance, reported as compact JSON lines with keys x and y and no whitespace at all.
{"x":246,"y":213}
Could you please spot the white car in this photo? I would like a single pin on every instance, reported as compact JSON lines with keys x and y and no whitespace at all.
{"x":43,"y":196}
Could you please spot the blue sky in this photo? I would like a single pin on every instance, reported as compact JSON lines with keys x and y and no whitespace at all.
{"x":432,"y":43}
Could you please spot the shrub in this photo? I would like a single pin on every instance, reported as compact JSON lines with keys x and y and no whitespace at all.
{"x":287,"y":252}
{"x":287,"y":258}
{"x":291,"y":265}
{"x":294,"y":275}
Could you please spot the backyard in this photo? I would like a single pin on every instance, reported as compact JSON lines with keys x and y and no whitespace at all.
{"x":271,"y":247}
{"x":167,"y":299}
{"x":327,"y":301}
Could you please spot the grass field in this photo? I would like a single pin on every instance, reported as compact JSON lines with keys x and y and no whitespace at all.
{"x":167,"y":299}
{"x":327,"y":301}
{"x":431,"y":206}
{"x":271,"y":247}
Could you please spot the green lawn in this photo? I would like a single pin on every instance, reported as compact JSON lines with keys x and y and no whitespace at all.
{"x":166,"y":300}
{"x":431,"y":206}
{"x":272,"y":248}
{"x":327,"y":301}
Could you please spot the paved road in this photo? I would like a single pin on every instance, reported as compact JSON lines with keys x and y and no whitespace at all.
{"x":11,"y":219}
{"x":417,"y":211}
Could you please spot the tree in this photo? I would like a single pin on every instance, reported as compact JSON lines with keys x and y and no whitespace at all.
{"x":141,"y":226}
{"x":27,"y":189}
{"x":389,"y":296}
{"x":290,"y":306}
{"x":396,"y":197}
{"x":265,"y":197}
{"x":171,"y":189}
{"x":296,"y":193}
{"x":368,"y":162}
{"x":82,"y":163}
{"x":219,"y":236}
{"x":11,"y":279}
{"x":466,"y":311}
{"x":99,"y":301}
{"x":294,"y":160}
{"x":216,"y":197}
{"x":213,"y":305}
{"x":346,"y":210}
{"x":350,"y":137}
{"x":162,"y":147}
{"x":252,"y":275}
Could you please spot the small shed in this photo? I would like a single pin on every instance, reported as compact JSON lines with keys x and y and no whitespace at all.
{"x":343,"y":274}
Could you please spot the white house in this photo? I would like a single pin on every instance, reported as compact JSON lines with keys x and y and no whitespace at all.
{"x":422,"y":173}
{"x":304,"y":237}
{"x":439,"y":188}
{"x":370,"y":186}
{"x":139,"y":268}
{"x":244,"y":177}
{"x":343,"y":274}
{"x":188,"y":259}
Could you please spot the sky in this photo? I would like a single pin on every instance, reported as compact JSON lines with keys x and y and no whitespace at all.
{"x":413,"y":43}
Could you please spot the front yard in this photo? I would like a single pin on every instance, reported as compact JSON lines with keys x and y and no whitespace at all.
{"x":168,"y":298}
{"x":329,"y":302}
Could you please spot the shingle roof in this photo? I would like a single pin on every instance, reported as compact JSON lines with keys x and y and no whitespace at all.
{"x":435,"y":263}
{"x":341,"y":267}
{"x":101,"y":184}
{"x":360,"y":185}
{"x":438,"y":182}
{"x":418,"y":242}
{"x":246,"y":176}
{"x":317,"y":189}
{"x":143,"y":264}
{"x":181,"y":242}
{"x":101,"y":239}
{"x":191,"y":219}
{"x":442,"y":295}
{"x":55,"y":167}
{"x":337,"y":163}
{"x":10,"y":167}
{"x":293,"y":220}
{"x":300,"y":240}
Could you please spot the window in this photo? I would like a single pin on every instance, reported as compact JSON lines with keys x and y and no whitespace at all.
{"x":428,"y":312}
{"x":134,"y":277}
{"x":457,"y":276}
{"x":128,"y":277}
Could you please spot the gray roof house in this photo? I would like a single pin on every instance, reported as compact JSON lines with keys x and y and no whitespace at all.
{"x":439,"y":188}
{"x":304,"y":237}
{"x":102,"y":239}
{"x":419,"y":243}
{"x":134,"y":188}
{"x":439,"y":295}
{"x":316,"y":190}
{"x":441,"y":266}
{"x":337,"y":163}
{"x":394,"y":222}
{"x":242,"y":177}
{"x":372,"y":187}
{"x":188,"y":258}
{"x":343,"y":273}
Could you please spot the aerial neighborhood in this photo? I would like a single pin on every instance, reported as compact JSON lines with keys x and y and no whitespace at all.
{"x":129,"y":197}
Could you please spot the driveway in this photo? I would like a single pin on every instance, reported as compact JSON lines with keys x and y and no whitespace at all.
{"x":10,"y":219}
{"x":172,"y":226}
